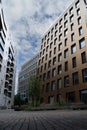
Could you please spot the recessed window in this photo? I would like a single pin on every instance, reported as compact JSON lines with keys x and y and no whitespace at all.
{"x":77,"y":4}
{"x":79,"y":20}
{"x":60,"y":37}
{"x":71,"y":18}
{"x":55,"y":50}
{"x":60,"y":21}
{"x":54,"y":60}
{"x":53,"y":85}
{"x":54,"y":72}
{"x":60,"y":46}
{"x":51,"y":45}
{"x":72,"y":27}
{"x":82,"y":43}
{"x":41,"y":68}
{"x":46,"y":56}
{"x":48,"y":34}
{"x":52,"y":30}
{"x":48,"y":75}
{"x":50,"y":53}
{"x":73,"y":48}
{"x":60,"y":29}
{"x":55,"y":41}
{"x":60,"y":57}
{"x":66,"y":42}
{"x":49,"y":63}
{"x":83,"y":57}
{"x":45,"y":37}
{"x":66,"y":32}
{"x":66,"y":81}
{"x":65,"y":24}
{"x":84,"y":75}
{"x":66,"y":66}
{"x":59,"y":69}
{"x":78,"y":12}
{"x":56,"y":33}
{"x":56,"y":26}
{"x":47,"y":48}
{"x":66,"y":53}
{"x":45,"y":66}
{"x":48,"y":41}
{"x":74,"y":62}
{"x":59,"y":83}
{"x":71,"y":10}
{"x":72,"y":37}
{"x":51,"y":37}
{"x":80,"y":31}
{"x":65,"y":16}
{"x":42,"y":59}
{"x":47,"y":87}
{"x":75,"y":78}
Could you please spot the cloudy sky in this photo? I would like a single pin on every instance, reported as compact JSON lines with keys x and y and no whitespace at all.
{"x":28,"y":20}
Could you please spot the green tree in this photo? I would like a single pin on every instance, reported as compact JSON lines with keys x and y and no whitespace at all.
{"x":35,"y":87}
{"x":17,"y":100}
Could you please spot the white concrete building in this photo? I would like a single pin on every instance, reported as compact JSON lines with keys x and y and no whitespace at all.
{"x":7,"y":64}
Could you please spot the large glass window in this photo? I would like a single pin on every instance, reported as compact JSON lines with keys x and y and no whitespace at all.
{"x":60,"y":57}
{"x":83,"y":57}
{"x":59,"y":83}
{"x":66,"y":81}
{"x":73,"y":48}
{"x":80,"y":31}
{"x":74,"y":62}
{"x":79,"y":20}
{"x":66,"y":53}
{"x":84,"y":75}
{"x":59,"y":69}
{"x":82,"y":43}
{"x":75,"y":78}
{"x":60,"y":46}
{"x":54,"y":72}
{"x":53,"y":85}
{"x":72,"y":37}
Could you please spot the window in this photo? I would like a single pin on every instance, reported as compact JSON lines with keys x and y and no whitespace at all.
{"x":66,"y":81}
{"x":52,"y":30}
{"x":77,"y":4}
{"x":72,"y":27}
{"x":47,"y":48}
{"x":60,"y":21}
{"x":48,"y":41}
{"x":55,"y":50}
{"x":80,"y":31}
{"x":66,"y":42}
{"x":59,"y":83}
{"x":48,"y":34}
{"x":65,"y":16}
{"x":71,"y":18}
{"x":78,"y":12}
{"x":71,"y":10}
{"x":48,"y":75}
{"x":56,"y":33}
{"x":40,"y":54}
{"x":84,"y":75}
{"x":54,"y":60}
{"x":44,"y":76}
{"x":75,"y":78}
{"x":54,"y":72}
{"x":49,"y":63}
{"x":60,"y":29}
{"x":56,"y":26}
{"x":51,"y":37}
{"x":83,"y":57}
{"x":60,"y":46}
{"x":70,"y":97}
{"x":43,"y":51}
{"x":42,"y":59}
{"x":60,"y":57}
{"x":66,"y":53}
{"x":73,"y":48}
{"x":51,"y":45}
{"x":41,"y":46}
{"x":45,"y":66}
{"x":59,"y":69}
{"x":65,"y":32}
{"x":53,"y":85}
{"x":79,"y":20}
{"x":72,"y":37}
{"x":41,"y":68}
{"x":39,"y":61}
{"x":65,"y":24}
{"x":47,"y":87}
{"x":66,"y":66}
{"x":46,"y":57}
{"x":44,"y":44}
{"x":82,"y":43}
{"x":74,"y":62}
{"x":60,"y":37}
{"x":50,"y":53}
{"x":55,"y":41}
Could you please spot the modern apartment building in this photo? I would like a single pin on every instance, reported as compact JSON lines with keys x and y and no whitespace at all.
{"x":63,"y":57}
{"x":28,"y":69}
{"x":7,"y":64}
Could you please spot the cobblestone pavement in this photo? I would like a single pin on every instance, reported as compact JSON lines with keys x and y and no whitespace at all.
{"x":43,"y":120}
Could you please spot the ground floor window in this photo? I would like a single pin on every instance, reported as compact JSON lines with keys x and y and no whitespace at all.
{"x":70,"y":97}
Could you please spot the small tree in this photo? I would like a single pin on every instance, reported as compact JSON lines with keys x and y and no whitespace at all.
{"x":35,"y":89}
{"x":17,"y":100}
